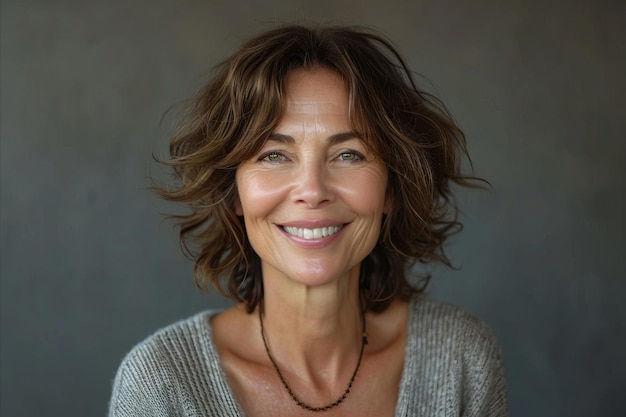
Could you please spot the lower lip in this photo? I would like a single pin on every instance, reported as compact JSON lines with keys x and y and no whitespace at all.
{"x":316,"y":243}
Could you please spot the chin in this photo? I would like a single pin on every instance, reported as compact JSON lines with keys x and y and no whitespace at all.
{"x":319,"y":276}
{"x":315,"y":281}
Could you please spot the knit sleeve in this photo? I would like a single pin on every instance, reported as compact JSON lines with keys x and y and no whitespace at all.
{"x":485,"y":385}
{"x":140,"y":389}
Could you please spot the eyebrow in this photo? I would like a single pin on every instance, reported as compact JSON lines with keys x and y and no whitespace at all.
{"x":332,"y":139}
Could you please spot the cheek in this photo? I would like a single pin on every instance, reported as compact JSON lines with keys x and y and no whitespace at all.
{"x":259,"y":194}
{"x":367,"y":192}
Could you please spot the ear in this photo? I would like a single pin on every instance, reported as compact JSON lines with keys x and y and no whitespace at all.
{"x":388,"y":204}
{"x":238,"y":208}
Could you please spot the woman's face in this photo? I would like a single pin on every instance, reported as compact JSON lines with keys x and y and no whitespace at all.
{"x":313,"y":197}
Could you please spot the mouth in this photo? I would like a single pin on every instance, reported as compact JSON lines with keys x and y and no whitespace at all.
{"x":316,"y":233}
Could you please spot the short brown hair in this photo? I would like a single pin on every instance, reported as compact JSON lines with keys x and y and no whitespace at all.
{"x":229,"y":119}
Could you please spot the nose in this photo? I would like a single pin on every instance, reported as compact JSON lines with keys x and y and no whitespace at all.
{"x":312,"y":185}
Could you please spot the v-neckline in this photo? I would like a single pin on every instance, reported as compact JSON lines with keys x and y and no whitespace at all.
{"x":211,"y":352}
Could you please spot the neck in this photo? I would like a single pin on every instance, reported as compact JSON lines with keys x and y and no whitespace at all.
{"x":313,"y":330}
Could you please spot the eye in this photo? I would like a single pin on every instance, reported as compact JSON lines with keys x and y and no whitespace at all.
{"x":351,"y":156}
{"x":273,"y":157}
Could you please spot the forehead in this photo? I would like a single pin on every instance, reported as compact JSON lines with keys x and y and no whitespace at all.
{"x":315,"y":90}
{"x":316,"y":94}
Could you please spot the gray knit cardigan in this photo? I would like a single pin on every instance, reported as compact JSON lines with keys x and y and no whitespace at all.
{"x":452,"y":367}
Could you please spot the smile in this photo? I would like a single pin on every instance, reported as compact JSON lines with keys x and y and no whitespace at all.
{"x":312,"y":233}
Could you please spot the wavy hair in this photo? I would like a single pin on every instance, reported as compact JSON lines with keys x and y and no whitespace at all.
{"x":229,"y":119}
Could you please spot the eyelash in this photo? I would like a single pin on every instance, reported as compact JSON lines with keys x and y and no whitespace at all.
{"x":265,"y":157}
{"x":358,"y":156}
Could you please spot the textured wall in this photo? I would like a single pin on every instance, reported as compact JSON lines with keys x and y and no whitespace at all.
{"x":88,"y":269}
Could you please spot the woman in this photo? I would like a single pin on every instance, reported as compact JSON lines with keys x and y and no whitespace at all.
{"x":317,"y":174}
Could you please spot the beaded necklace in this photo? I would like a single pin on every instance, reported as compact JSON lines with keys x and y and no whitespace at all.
{"x":293,"y":396}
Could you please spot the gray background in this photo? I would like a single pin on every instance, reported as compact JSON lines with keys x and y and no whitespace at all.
{"x":88,"y":269}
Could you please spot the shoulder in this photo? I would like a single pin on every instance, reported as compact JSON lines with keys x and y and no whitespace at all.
{"x":155,"y":370}
{"x":435,"y":319}
{"x":170,"y":344}
{"x":450,"y":344}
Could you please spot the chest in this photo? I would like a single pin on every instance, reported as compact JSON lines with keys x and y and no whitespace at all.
{"x":260,"y":393}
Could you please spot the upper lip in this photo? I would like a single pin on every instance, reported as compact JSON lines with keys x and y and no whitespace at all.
{"x":313,"y":224}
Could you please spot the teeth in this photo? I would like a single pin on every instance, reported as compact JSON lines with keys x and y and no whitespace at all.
{"x":312,"y":233}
